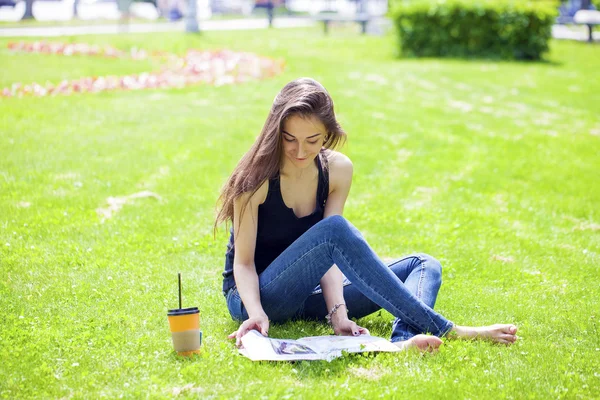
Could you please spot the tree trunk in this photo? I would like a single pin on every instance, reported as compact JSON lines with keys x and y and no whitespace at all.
{"x":28,"y":10}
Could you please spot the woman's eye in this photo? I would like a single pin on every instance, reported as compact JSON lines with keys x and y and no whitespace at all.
{"x":288,"y":140}
{"x":315,"y":142}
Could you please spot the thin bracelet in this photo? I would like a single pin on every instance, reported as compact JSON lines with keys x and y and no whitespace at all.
{"x":333,"y":311}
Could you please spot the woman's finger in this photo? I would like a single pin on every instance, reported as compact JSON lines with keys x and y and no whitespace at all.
{"x":232,"y":335}
{"x":354,"y":328}
{"x":241,"y":332}
{"x":264,"y":329}
{"x":238,"y":340}
{"x":246,"y":327}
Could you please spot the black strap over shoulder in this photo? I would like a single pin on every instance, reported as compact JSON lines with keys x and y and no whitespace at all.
{"x":325,"y":169}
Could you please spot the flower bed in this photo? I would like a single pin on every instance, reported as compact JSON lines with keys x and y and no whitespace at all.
{"x":195,"y":67}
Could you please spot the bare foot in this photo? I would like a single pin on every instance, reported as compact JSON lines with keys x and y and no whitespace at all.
{"x":421,"y":343}
{"x":498,"y":333}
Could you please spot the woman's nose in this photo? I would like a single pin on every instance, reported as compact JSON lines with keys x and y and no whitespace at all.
{"x":301,"y":152}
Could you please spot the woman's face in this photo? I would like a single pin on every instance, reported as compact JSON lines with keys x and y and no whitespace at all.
{"x":302,"y":139}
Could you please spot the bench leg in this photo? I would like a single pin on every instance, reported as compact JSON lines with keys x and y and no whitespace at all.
{"x":591,"y":32}
{"x":363,"y":27}
{"x":326,"y":27}
{"x":270,"y":16}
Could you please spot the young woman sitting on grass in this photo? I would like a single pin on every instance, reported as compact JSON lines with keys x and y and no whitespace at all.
{"x":292,"y":255}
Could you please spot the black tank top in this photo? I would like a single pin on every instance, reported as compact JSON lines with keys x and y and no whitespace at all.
{"x":278,"y":226}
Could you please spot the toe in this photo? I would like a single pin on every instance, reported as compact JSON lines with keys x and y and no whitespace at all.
{"x":508,"y":338}
{"x":510,"y":329}
{"x":436,"y":340}
{"x":425,"y":343}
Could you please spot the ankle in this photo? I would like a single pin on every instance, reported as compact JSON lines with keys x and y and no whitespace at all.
{"x":460,"y":331}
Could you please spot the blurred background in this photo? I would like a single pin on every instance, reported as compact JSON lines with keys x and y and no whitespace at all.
{"x":574,"y":19}
{"x":64,"y":10}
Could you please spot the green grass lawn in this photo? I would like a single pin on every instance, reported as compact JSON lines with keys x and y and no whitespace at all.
{"x":492,"y":167}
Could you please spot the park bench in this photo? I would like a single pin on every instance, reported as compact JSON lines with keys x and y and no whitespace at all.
{"x":579,"y":12}
{"x":327,"y":18}
{"x":590,"y":18}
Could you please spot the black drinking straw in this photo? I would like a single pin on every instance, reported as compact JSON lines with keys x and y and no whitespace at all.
{"x":179,"y":276}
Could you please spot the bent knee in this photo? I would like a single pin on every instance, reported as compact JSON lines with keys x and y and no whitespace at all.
{"x":336,"y":223}
{"x":338,"y":227}
{"x":431,"y":264}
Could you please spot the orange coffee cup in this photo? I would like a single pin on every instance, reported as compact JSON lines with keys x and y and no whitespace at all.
{"x":185,"y":330}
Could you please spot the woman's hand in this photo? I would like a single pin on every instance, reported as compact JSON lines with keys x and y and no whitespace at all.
{"x":259,"y":323}
{"x":347,"y":327}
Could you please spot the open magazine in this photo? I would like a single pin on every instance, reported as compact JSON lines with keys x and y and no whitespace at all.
{"x":258,"y":347}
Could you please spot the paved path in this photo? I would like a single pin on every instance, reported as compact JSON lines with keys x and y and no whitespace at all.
{"x":558,"y":31}
{"x":208,"y":25}
{"x":564,"y":32}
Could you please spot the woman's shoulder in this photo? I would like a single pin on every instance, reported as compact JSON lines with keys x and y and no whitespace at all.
{"x":257,"y":197}
{"x":337,"y":160}
{"x":340,"y":168}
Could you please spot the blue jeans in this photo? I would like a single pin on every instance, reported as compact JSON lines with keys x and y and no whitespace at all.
{"x":407,"y":288}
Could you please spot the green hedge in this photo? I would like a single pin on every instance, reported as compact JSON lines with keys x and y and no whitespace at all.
{"x":506,"y":29}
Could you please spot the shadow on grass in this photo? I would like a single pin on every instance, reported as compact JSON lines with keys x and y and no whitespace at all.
{"x":482,"y":59}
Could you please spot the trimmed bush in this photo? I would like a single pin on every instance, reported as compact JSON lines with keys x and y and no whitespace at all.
{"x":461,"y":28}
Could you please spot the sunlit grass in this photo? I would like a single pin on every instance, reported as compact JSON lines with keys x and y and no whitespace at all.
{"x":490,"y":167}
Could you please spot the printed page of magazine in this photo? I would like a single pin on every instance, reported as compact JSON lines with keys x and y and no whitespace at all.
{"x":258,"y":348}
{"x":332,"y":346}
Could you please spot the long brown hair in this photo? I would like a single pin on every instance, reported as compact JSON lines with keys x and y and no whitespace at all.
{"x":304,"y":97}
